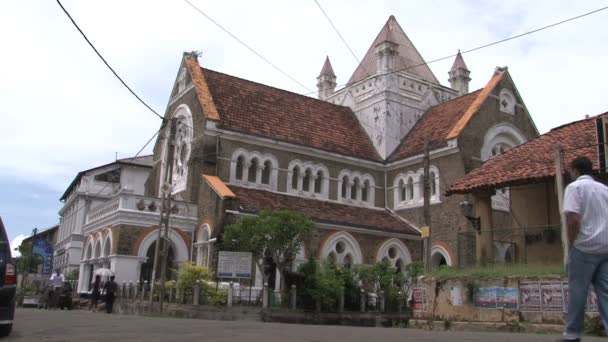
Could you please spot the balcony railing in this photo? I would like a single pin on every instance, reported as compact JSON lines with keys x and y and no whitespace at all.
{"x":126,"y":202}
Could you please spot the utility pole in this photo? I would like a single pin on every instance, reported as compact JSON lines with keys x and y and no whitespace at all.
{"x":164,"y":208}
{"x":559,"y":185}
{"x":165,"y":246}
{"x":427,"y":207}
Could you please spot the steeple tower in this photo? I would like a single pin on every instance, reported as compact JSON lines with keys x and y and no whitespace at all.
{"x":459,"y":75}
{"x":326,"y":81}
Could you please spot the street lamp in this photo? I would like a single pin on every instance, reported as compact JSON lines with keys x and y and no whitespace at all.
{"x":467,"y":211}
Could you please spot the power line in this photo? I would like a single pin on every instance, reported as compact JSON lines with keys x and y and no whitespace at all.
{"x":486,"y":45}
{"x":105,"y":186}
{"x":342,"y":38}
{"x":105,"y":62}
{"x":247,"y":46}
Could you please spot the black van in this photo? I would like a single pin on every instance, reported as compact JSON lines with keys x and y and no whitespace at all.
{"x":8,"y":282}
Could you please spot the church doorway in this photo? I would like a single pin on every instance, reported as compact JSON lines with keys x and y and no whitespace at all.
{"x":148,"y":266}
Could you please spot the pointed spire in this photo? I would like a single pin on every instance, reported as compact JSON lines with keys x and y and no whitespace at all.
{"x":327,"y":70}
{"x":406,"y":56}
{"x":459,"y":75}
{"x":459,"y":62}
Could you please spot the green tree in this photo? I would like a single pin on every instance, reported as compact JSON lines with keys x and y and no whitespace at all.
{"x":27,"y":262}
{"x":278,"y":234}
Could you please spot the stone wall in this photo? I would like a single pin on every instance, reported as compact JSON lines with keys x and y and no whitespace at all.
{"x":454,"y":301}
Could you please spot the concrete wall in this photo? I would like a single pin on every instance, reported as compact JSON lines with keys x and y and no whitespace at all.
{"x":440,"y":306}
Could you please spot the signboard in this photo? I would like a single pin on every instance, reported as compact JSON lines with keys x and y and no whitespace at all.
{"x":44,"y":249}
{"x":507,"y":298}
{"x":456,"y":296}
{"x":485,"y":297}
{"x":419,"y":299}
{"x":424,"y":232}
{"x":592,"y":301}
{"x":234,"y":265}
{"x":602,"y":141}
{"x":529,"y":296}
{"x":552,"y":296}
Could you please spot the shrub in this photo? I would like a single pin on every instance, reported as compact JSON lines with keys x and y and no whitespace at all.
{"x":188,"y":274}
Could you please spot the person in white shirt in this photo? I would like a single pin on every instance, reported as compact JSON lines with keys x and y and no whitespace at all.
{"x":586,"y":211}
{"x":56,"y":280}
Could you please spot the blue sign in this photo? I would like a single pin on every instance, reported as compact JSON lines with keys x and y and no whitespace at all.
{"x":44,"y":249}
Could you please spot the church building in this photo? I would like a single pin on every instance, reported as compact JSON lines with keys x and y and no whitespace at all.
{"x":350,"y":160}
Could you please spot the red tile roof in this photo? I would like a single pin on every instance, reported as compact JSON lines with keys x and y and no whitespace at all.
{"x":532,"y":161}
{"x":435,"y":124}
{"x":253,"y":200}
{"x":257,"y":109}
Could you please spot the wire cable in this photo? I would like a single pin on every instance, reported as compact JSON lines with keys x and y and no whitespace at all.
{"x":245,"y":45}
{"x":341,"y":37}
{"x":106,"y":62}
{"x":484,"y":45}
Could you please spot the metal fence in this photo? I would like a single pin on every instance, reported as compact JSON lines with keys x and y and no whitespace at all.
{"x":533,"y":244}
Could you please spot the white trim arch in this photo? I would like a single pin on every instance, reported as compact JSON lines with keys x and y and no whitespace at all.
{"x":500,"y":138}
{"x":202,"y":245}
{"x":308,"y":173}
{"x":106,"y":248}
{"x":356,"y":188}
{"x":97,"y":249}
{"x":88,"y":251}
{"x":507,"y":101}
{"x":183,"y":150}
{"x":341,"y":248}
{"x":265,"y":166}
{"x":395,"y":252}
{"x":408,"y":191}
{"x":180,"y":249}
{"x":438,"y":252}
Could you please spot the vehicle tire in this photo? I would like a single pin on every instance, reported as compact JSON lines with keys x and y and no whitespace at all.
{"x":5,"y":329}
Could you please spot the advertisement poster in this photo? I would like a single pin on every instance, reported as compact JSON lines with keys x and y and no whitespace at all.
{"x":507,"y":297}
{"x":456,"y":296}
{"x":552,"y":296}
{"x":419,"y":298}
{"x":565,"y":292}
{"x":592,"y":301}
{"x":485,"y":297}
{"x":529,"y":296}
{"x":44,"y":249}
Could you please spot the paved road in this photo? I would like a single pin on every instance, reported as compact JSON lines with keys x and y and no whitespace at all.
{"x":42,"y":325}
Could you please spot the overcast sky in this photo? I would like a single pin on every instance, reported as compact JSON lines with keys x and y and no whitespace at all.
{"x":62,"y":111}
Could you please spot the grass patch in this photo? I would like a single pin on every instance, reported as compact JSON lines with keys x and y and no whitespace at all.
{"x":498,"y":271}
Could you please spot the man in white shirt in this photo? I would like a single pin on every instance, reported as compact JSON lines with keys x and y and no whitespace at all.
{"x":586,"y":211}
{"x":56,"y":280}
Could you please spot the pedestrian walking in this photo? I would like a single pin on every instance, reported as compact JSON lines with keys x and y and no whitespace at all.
{"x":56,"y":281}
{"x":110,"y":288}
{"x":95,"y":293}
{"x":586,"y":211}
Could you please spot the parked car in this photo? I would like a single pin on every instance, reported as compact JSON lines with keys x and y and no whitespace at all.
{"x":8,"y":282}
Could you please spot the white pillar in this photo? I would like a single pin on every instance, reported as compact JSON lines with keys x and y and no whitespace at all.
{"x":82,"y":278}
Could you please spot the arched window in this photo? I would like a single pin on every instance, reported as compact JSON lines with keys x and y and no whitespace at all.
{"x":433,"y":183}
{"x":319,"y":182}
{"x":266,"y":172}
{"x":240,"y":162}
{"x":401,"y":189}
{"x":307,"y":179}
{"x":253,"y":170}
{"x":365,"y":191}
{"x":395,"y":252}
{"x":295,"y":177}
{"x":409,"y":189}
{"x":354,"y":189}
{"x":342,"y":249}
{"x":182,"y":148}
{"x":344,"y":187}
{"x":507,"y":101}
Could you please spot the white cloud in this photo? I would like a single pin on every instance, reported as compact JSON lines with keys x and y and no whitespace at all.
{"x":16,"y":242}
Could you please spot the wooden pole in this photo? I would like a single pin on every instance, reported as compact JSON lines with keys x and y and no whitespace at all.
{"x":165,"y":246}
{"x":559,"y":187}
{"x":427,"y":207}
